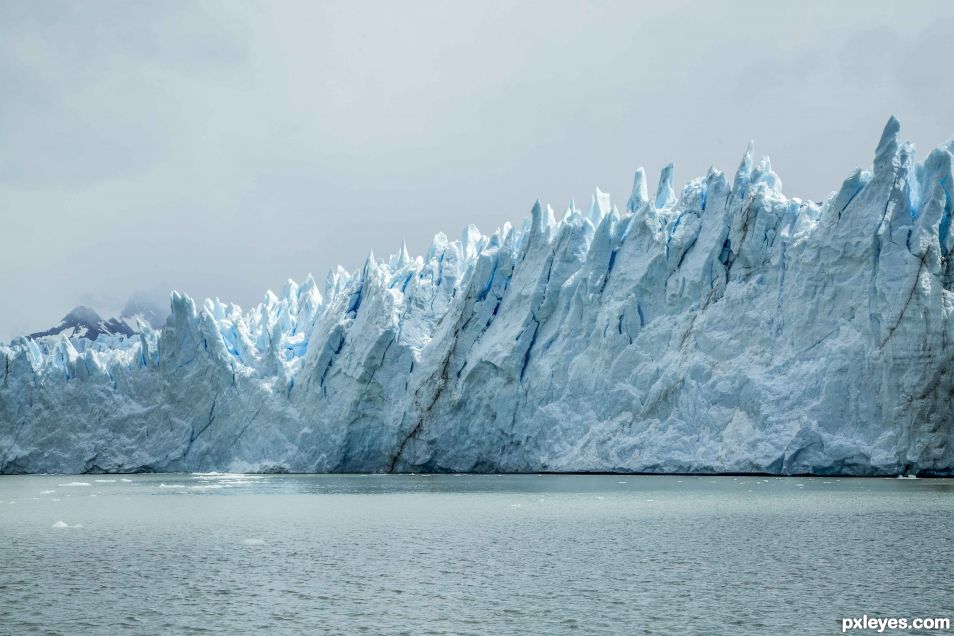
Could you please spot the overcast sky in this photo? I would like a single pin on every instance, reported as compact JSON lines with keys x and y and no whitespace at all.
{"x":222,"y":148}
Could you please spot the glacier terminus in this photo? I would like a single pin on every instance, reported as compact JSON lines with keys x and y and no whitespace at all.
{"x":723,"y":327}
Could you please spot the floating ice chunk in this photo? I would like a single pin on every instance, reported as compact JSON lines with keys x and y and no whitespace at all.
{"x":47,"y":492}
{"x":105,"y":481}
{"x":76,"y":483}
{"x":62,"y":524}
{"x":253,"y":542}
{"x":171,"y":486}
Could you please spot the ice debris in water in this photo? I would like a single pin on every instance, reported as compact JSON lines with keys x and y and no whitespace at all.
{"x":717,"y":327}
{"x":253,"y":542}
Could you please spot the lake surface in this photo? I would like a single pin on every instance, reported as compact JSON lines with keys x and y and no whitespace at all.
{"x":279,"y":554}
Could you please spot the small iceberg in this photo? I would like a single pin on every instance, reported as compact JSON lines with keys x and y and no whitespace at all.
{"x":63,"y":524}
{"x":253,"y":542}
{"x":171,"y":486}
{"x":75,"y":483}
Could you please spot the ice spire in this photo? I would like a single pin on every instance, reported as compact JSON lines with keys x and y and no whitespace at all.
{"x":470,"y":241}
{"x":888,"y":145}
{"x":536,"y":216}
{"x":599,"y":207}
{"x":937,"y":203}
{"x":404,"y":258}
{"x":744,"y":173}
{"x":306,"y":287}
{"x":664,"y":194}
{"x":370,"y":265}
{"x":639,"y":196}
{"x":766,"y":175}
{"x":401,"y":259}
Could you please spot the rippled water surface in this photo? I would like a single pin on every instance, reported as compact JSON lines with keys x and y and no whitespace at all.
{"x":150,"y":554}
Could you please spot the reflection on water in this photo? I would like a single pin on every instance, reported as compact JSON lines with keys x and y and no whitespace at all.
{"x":252,"y":554}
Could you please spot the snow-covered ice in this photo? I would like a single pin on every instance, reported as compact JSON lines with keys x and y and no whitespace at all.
{"x":723,"y":327}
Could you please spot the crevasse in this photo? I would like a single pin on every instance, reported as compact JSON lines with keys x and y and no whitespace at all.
{"x":725,"y":329}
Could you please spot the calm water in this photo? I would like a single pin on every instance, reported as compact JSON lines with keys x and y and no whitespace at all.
{"x":469,"y":554}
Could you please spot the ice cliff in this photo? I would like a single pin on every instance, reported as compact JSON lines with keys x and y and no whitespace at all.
{"x":726,"y":328}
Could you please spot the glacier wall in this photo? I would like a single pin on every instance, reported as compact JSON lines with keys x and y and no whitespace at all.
{"x":726,"y":329}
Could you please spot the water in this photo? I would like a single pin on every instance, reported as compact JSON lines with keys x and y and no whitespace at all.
{"x":469,"y":554}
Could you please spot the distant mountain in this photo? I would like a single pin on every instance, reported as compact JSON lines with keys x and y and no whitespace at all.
{"x":84,"y":322}
{"x":140,"y":308}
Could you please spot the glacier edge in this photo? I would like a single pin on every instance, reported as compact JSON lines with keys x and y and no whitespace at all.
{"x":726,"y":328}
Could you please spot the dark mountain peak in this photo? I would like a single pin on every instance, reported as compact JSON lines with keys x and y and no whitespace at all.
{"x":82,"y":314}
{"x":84,"y":322}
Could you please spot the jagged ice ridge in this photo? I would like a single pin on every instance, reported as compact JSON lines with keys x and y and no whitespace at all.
{"x":726,"y":329}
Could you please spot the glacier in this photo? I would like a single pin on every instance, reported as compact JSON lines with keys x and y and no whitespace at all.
{"x":724,"y":329}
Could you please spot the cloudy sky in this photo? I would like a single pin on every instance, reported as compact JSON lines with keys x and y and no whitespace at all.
{"x":220,"y":148}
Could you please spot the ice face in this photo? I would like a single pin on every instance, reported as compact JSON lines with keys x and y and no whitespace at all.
{"x":726,"y":328}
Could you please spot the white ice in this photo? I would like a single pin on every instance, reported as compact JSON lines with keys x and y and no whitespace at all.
{"x":717,"y":327}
